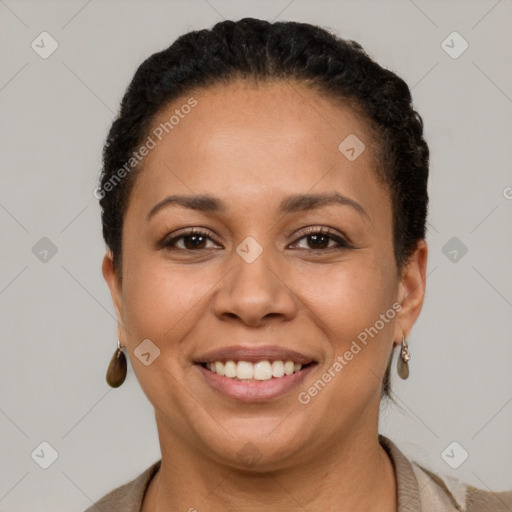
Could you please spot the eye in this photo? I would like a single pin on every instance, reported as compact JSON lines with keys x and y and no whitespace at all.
{"x":320,"y":239}
{"x":193,"y":239}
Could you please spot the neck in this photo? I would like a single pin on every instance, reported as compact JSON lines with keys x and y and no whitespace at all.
{"x":357,"y":476}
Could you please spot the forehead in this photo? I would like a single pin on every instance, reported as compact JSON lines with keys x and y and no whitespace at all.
{"x":254,"y":141}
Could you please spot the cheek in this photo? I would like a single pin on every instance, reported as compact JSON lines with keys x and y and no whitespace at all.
{"x":349,"y":296}
{"x":162,"y":300}
{"x":163,"y":304}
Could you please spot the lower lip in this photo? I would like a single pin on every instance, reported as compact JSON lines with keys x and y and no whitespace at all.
{"x":254,"y":390}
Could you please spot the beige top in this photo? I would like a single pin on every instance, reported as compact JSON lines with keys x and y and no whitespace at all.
{"x":418,"y":490}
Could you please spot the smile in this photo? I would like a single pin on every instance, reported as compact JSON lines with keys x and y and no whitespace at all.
{"x":262,"y":386}
{"x":247,"y":371}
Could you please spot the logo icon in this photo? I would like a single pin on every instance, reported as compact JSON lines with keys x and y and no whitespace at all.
{"x":147,"y":352}
{"x":44,"y":250}
{"x":249,"y":249}
{"x":44,"y":455}
{"x":454,"y":45}
{"x":249,"y":454}
{"x":351,"y":147}
{"x":454,"y":249}
{"x":44,"y":45}
{"x":454,"y":455}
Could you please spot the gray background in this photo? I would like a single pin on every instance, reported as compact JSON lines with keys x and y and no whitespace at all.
{"x":58,"y":327}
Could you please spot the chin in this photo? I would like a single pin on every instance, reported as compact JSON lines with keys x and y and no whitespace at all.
{"x":258,"y":444}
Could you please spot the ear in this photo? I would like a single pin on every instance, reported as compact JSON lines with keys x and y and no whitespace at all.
{"x":114,"y":284}
{"x":411,"y":291}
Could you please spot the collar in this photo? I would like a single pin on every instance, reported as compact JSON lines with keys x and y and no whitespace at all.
{"x":408,"y":492}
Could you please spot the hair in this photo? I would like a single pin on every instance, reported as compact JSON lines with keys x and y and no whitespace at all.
{"x":259,"y":51}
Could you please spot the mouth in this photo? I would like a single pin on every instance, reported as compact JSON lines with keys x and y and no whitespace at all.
{"x":246,"y":371}
{"x":252,"y":374}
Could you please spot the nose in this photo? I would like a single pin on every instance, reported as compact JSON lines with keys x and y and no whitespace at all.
{"x":254,"y":292}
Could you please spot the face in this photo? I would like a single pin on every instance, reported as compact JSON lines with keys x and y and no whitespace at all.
{"x":268,"y":275}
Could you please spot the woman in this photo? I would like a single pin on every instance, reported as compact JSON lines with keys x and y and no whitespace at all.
{"x":264,"y":200}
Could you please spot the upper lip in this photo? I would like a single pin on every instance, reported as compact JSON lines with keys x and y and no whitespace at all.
{"x":253,"y":354}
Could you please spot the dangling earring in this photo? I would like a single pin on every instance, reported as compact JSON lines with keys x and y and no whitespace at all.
{"x":116,"y":372}
{"x":403,"y":360}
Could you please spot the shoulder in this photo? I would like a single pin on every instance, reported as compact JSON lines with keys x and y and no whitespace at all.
{"x":127,"y":497}
{"x":444,"y":491}
{"x":479,"y":500}
{"x":422,"y":490}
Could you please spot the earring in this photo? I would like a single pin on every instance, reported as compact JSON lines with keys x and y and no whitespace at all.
{"x":116,"y":372}
{"x":403,"y":360}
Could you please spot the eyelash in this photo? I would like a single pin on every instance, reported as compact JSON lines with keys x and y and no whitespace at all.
{"x":342,"y":243}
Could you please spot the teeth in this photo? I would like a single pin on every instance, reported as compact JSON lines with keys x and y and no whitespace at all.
{"x":262,"y":370}
{"x":288,"y":367}
{"x":244,"y":370}
{"x":219,"y":368}
{"x":230,"y":369}
{"x":277,"y":369}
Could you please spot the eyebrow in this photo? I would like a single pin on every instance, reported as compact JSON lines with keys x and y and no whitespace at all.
{"x":291,"y":204}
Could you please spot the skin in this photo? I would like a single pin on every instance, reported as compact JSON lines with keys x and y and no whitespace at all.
{"x":251,"y":147}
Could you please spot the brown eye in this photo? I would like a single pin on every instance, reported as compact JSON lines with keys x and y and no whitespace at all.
{"x":192,"y":241}
{"x":319,"y":240}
